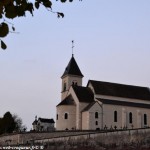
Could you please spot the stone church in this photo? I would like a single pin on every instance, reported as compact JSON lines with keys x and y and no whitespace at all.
{"x":100,"y":105}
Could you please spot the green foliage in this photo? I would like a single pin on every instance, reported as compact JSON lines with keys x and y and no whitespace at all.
{"x":11,"y":9}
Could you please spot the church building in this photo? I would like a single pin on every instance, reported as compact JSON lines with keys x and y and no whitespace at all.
{"x":100,"y":105}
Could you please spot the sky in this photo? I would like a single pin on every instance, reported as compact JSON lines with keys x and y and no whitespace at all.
{"x":111,"y":39}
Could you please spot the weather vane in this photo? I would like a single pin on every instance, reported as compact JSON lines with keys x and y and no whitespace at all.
{"x":72,"y":46}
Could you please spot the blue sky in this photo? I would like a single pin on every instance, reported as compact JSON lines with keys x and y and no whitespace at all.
{"x":111,"y":44}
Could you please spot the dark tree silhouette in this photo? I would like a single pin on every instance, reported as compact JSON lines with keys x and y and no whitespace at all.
{"x":10,"y":123}
{"x":11,"y":9}
{"x":7,"y":123}
{"x":19,"y":127}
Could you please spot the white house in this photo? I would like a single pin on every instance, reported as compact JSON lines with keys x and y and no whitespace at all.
{"x":43,"y":124}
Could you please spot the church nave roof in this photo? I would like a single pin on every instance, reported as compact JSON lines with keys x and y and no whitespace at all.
{"x":120,"y":90}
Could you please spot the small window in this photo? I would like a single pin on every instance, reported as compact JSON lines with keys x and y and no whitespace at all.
{"x":115,"y":116}
{"x":130,"y":118}
{"x":96,"y":114}
{"x":66,"y":116}
{"x":64,"y":89}
{"x":145,"y":119}
{"x":57,"y":117}
{"x":74,"y":82}
{"x":96,"y":123}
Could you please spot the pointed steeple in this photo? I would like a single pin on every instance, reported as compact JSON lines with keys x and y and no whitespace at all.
{"x":72,"y":68}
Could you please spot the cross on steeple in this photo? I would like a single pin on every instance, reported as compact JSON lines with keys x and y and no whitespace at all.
{"x":72,"y":47}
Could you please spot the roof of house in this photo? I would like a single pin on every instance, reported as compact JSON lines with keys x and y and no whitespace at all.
{"x":84,"y":94}
{"x":72,"y":68}
{"x":45,"y":120}
{"x":34,"y":122}
{"x":67,"y":101}
{"x":123,"y":103}
{"x":120,"y":90}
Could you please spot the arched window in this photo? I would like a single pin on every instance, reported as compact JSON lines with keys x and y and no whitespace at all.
{"x":64,"y":89}
{"x":115,"y":116}
{"x":96,"y":123}
{"x":96,"y":114}
{"x":74,"y":82}
{"x":145,"y":119}
{"x":66,"y":116}
{"x":57,"y":117}
{"x":130,"y":117}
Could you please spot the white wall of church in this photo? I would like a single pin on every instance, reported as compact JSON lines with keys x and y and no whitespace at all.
{"x":80,"y":108}
{"x":85,"y":120}
{"x":90,"y":121}
{"x":95,"y":122}
{"x":123,"y":119}
{"x":70,"y":122}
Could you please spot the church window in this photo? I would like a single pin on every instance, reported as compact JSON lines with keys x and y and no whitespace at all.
{"x":57,"y":117}
{"x":66,"y":116}
{"x":145,"y":119}
{"x":115,"y":116}
{"x":96,"y":122}
{"x":130,"y":118}
{"x":64,"y":89}
{"x":96,"y":114}
{"x":74,"y":82}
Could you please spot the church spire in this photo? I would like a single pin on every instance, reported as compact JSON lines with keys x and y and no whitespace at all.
{"x":71,"y":76}
{"x":72,"y":68}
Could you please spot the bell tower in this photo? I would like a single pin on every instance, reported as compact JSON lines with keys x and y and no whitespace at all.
{"x":71,"y":76}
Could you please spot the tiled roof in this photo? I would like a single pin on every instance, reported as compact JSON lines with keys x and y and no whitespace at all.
{"x":72,"y":68}
{"x":45,"y":120}
{"x":84,"y":94}
{"x":124,"y":103}
{"x":67,"y":101}
{"x":120,"y":90}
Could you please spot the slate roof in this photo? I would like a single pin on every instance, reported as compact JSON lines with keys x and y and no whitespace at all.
{"x":45,"y":120}
{"x":120,"y":90}
{"x":89,"y":106}
{"x":67,"y":101}
{"x":124,"y":103}
{"x":84,"y":94}
{"x":34,"y":122}
{"x":72,"y":68}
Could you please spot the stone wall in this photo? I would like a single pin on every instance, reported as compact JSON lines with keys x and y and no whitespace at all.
{"x":24,"y":138}
{"x":126,"y":136}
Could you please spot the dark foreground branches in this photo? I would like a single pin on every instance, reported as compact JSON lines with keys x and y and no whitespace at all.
{"x":12,"y":9}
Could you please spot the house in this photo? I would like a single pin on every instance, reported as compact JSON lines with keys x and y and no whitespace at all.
{"x":100,"y":105}
{"x":43,"y":124}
